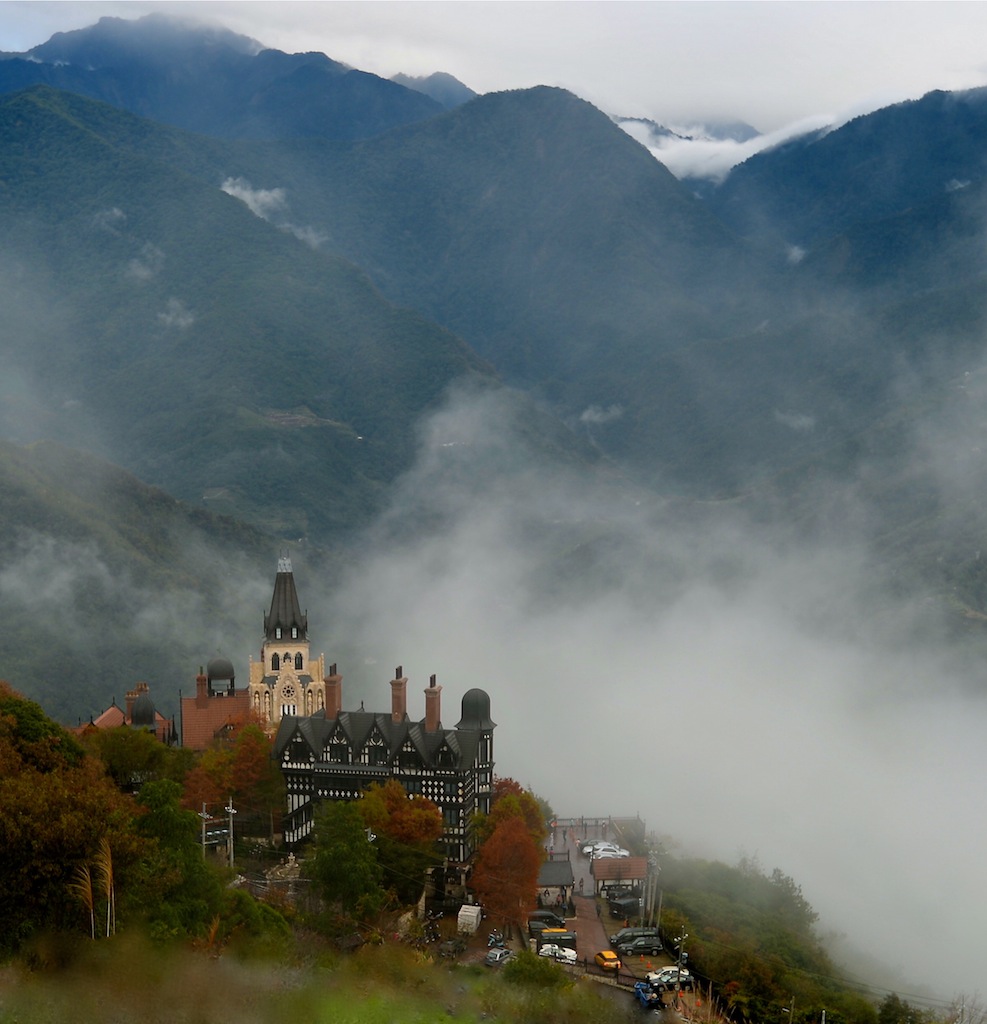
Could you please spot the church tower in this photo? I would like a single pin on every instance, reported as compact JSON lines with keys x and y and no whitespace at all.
{"x":286,"y":681}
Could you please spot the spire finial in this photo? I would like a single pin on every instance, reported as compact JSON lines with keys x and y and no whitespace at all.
{"x":284,"y":562}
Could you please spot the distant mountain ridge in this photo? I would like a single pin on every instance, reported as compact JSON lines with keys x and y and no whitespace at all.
{"x":210,"y":80}
{"x":872,"y":167}
{"x":443,"y":88}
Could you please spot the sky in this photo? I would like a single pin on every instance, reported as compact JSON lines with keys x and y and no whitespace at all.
{"x":767,"y":64}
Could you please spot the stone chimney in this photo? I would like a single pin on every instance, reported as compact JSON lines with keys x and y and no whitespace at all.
{"x":201,"y":687}
{"x":399,"y":696}
{"x":433,"y":708}
{"x":334,"y":692}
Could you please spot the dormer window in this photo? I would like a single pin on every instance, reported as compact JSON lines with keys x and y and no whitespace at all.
{"x":294,"y":632}
{"x":277,"y":633}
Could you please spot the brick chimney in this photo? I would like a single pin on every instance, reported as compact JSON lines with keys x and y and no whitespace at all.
{"x":334,"y":692}
{"x":201,"y":687}
{"x":433,"y":709}
{"x":399,"y":696}
{"x":131,"y":698}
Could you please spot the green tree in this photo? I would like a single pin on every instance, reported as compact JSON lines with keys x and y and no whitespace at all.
{"x":345,"y":862}
{"x":135,"y":756}
{"x":180,"y":894}
{"x":407,"y":829}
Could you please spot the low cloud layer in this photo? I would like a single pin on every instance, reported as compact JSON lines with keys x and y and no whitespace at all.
{"x":744,"y":694}
{"x":691,"y":153}
{"x":272,"y":205}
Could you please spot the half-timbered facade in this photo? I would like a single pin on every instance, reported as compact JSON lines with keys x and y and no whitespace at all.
{"x":335,"y":755}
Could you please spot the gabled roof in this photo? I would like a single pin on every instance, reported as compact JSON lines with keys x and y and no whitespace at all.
{"x":358,"y":726}
{"x":611,"y":869}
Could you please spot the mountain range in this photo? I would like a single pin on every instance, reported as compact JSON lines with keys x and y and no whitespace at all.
{"x":244,"y":276}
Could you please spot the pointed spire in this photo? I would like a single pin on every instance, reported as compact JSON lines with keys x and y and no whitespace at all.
{"x":286,"y":613}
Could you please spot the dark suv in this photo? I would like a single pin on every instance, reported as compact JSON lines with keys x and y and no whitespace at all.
{"x":549,"y":916}
{"x":643,"y":945}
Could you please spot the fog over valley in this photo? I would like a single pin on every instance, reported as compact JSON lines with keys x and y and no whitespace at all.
{"x":746,"y":693}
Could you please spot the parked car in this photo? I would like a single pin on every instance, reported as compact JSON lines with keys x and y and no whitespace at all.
{"x":607,"y":960}
{"x":625,"y":907}
{"x":498,"y":956}
{"x":536,"y":926}
{"x":644,"y":945}
{"x":554,"y":920}
{"x":609,"y":854}
{"x":558,"y":936}
{"x":561,"y":953}
{"x":587,"y":849}
{"x":629,"y":934}
{"x":667,"y":977}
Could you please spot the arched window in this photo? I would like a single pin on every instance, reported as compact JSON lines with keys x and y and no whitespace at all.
{"x":286,"y":658}
{"x":298,"y":660}
{"x":275,"y":662}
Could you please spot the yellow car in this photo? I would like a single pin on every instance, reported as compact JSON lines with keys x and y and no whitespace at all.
{"x":607,"y":960}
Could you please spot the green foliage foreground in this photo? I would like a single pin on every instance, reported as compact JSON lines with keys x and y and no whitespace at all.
{"x":129,"y":979}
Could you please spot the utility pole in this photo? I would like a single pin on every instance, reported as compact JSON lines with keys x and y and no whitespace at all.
{"x":680,"y":941}
{"x":230,"y":811}
{"x":205,"y":817}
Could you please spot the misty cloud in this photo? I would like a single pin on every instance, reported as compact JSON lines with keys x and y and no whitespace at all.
{"x":699,"y":156}
{"x":797,"y":421}
{"x":110,"y":220}
{"x":794,"y":254}
{"x":177,"y":315}
{"x":272,"y":205}
{"x":265,"y":203}
{"x":596,"y":414}
{"x":794,"y":707}
{"x":148,"y":264}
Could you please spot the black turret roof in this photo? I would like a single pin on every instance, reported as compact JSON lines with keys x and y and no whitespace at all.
{"x":285,"y":610}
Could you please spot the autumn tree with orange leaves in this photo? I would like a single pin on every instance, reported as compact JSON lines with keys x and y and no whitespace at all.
{"x":509,"y":799}
{"x":505,"y":875}
{"x":243,"y":770}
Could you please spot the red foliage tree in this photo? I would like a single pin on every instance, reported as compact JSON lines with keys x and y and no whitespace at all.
{"x":509,"y":799}
{"x":505,"y":876}
{"x":388,"y":810}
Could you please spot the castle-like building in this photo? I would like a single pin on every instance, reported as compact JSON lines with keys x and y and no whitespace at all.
{"x":328,"y":753}
{"x":336,"y":754}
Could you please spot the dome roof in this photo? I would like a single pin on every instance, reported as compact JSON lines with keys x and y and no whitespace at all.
{"x":476,"y":711}
{"x":144,"y":711}
{"x":220,"y":668}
